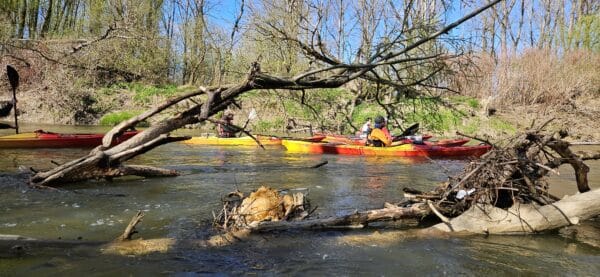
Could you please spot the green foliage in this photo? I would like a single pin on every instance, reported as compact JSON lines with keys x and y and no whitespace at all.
{"x":473,"y":103}
{"x":115,"y":118}
{"x":586,"y":32}
{"x":440,"y":121}
{"x":364,"y":111}
{"x":501,"y":125}
{"x":268,"y":125}
{"x":467,"y":100}
{"x":472,"y":127}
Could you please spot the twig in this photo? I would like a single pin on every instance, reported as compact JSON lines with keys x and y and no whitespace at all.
{"x":463,"y":180}
{"x":547,"y":168}
{"x":476,"y":138}
{"x":320,"y":164}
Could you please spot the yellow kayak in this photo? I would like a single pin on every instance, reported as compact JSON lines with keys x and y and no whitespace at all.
{"x":212,"y":140}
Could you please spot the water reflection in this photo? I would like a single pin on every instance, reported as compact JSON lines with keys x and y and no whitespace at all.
{"x":181,"y":208}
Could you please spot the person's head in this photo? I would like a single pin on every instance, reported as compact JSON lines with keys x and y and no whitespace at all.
{"x":368,"y":120}
{"x":379,"y":122}
{"x":228,"y":117}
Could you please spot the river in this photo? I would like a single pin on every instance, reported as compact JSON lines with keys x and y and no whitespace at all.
{"x":182,"y":208}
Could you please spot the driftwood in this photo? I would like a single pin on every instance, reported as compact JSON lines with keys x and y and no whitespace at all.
{"x":526,"y":218}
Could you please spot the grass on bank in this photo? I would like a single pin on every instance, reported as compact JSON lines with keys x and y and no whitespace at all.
{"x":114,"y":118}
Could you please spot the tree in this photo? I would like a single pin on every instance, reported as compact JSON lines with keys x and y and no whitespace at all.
{"x":108,"y":162}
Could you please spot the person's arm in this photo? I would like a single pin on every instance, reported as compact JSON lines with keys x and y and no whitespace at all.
{"x":229,"y":128}
{"x":387,"y":133}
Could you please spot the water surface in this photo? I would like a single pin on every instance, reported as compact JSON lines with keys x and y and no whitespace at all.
{"x":182,"y":207}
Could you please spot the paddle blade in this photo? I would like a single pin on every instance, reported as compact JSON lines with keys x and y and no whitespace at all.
{"x":413,"y":129}
{"x":13,"y":76}
{"x":5,"y":108}
{"x":252,"y":114}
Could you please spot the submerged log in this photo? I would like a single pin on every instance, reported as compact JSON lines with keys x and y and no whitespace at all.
{"x":350,"y":221}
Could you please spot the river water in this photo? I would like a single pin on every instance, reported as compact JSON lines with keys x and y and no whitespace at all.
{"x":182,"y":208}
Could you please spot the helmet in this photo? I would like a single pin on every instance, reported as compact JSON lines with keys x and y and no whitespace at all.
{"x":379,"y":120}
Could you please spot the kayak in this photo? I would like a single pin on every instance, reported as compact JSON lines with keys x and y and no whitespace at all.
{"x":212,"y":140}
{"x":245,"y":141}
{"x":43,"y":139}
{"x":403,"y":150}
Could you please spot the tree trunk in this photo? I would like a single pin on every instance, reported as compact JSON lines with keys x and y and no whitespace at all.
{"x":525,"y":219}
{"x":47,"y":19}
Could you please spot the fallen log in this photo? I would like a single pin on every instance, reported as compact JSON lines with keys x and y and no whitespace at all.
{"x":350,"y":221}
{"x":525,"y":218}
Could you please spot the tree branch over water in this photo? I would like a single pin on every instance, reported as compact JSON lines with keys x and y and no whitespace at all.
{"x":335,"y":75}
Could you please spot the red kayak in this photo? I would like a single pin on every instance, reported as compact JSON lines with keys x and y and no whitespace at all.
{"x":447,"y":142}
{"x":43,"y":139}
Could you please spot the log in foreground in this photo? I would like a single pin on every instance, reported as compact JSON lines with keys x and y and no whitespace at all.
{"x":526,"y":218}
{"x":489,"y":220}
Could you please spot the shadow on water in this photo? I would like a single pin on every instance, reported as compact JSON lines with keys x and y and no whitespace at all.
{"x":181,"y":208}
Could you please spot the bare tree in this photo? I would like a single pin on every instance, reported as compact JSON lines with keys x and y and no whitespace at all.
{"x":108,"y":162}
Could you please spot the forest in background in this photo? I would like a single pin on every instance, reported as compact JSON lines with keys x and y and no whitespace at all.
{"x":89,"y":62}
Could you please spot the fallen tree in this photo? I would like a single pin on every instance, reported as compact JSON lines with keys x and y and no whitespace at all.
{"x":108,"y":162}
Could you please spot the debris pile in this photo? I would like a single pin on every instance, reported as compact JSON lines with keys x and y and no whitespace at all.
{"x":505,"y":176}
{"x":265,"y":204}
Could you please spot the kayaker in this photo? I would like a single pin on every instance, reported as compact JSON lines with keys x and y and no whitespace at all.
{"x":365,"y":129}
{"x":225,"y":127}
{"x":377,"y":137}
{"x":385,"y":129}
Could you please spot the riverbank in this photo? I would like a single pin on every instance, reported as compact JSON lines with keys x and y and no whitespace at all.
{"x":109,"y":106}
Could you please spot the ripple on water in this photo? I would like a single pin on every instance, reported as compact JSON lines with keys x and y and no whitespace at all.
{"x":182,"y":208}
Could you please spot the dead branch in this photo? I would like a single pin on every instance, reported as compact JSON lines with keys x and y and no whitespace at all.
{"x":130,"y":229}
{"x":581,"y":169}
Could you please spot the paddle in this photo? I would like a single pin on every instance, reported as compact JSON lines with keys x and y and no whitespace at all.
{"x":251,"y":116}
{"x":13,"y":78}
{"x":413,"y":129}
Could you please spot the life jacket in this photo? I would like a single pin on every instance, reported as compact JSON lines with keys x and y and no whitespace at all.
{"x":373,"y":142}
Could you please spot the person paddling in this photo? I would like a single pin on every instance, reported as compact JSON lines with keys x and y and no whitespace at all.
{"x":377,"y":137}
{"x":225,"y":127}
{"x":385,"y":130}
{"x":365,"y":129}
